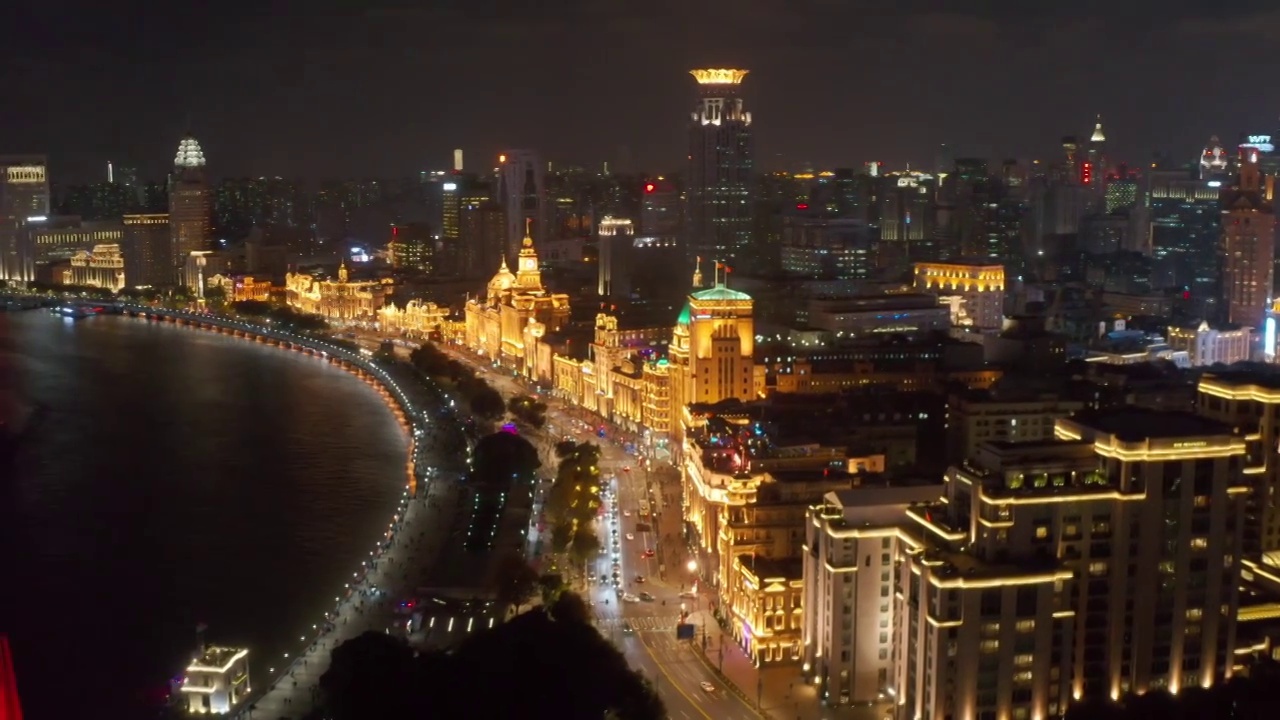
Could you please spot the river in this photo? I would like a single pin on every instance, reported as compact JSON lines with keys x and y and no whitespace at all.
{"x":177,"y":477}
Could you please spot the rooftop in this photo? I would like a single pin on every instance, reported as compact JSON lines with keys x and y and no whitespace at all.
{"x":1134,"y":424}
{"x":217,"y":659}
{"x":1236,"y":378}
{"x":720,"y":292}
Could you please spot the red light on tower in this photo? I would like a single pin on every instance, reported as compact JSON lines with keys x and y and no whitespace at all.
{"x":1086,"y":172}
{"x":649,"y":187}
{"x":802,"y":206}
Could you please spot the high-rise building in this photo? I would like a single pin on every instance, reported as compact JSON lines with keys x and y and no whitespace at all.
{"x":906,"y":215}
{"x":190,"y":205}
{"x":1248,"y":243}
{"x":412,"y":247}
{"x":482,"y":233}
{"x":617,"y":236}
{"x":1184,"y":221}
{"x":660,"y":208}
{"x":975,"y":292}
{"x":148,"y":255}
{"x":522,"y":192}
{"x":721,"y":169}
{"x":24,"y":197}
{"x":1103,"y":563}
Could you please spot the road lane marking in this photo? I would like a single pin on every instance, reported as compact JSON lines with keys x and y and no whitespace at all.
{"x":672,"y":681}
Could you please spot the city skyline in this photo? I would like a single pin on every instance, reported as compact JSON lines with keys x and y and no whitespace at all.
{"x":904,"y":82}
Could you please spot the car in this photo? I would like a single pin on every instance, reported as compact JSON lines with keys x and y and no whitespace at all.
{"x":630,"y":598}
{"x":707,"y":686}
{"x":631,"y":536}
{"x":688,"y":594}
{"x":647,"y":597}
{"x":639,"y":578}
{"x":648,"y":553}
{"x":626,"y":513}
{"x":627,"y":629}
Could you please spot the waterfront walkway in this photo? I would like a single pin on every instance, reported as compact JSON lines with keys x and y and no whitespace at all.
{"x":396,"y":573}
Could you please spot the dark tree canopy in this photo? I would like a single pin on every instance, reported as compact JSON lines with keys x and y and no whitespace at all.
{"x":502,"y":455}
{"x":544,"y":663}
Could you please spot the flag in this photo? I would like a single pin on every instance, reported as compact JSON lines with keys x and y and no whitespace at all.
{"x":728,"y":269}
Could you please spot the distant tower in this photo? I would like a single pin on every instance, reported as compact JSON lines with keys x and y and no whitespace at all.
{"x":190,"y":203}
{"x":1248,"y":242}
{"x":721,"y":171}
{"x":1214,"y":163}
{"x":457,"y":160}
{"x":1097,"y":167}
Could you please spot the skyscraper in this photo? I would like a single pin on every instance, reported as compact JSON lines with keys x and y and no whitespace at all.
{"x":1248,"y":243}
{"x":522,"y":192}
{"x":190,"y":203}
{"x":721,"y":172}
{"x":24,"y":195}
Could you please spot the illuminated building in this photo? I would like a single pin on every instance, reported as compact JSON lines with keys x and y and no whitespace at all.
{"x":481,"y":234}
{"x":1248,"y":242}
{"x":1209,"y":346}
{"x":712,"y":347}
{"x":508,"y":324}
{"x":24,"y":199}
{"x":190,"y":204}
{"x":522,"y":193}
{"x":340,"y":300}
{"x":216,"y":681}
{"x":858,"y":316}
{"x":60,"y":237}
{"x":1215,"y":164}
{"x":975,"y":292}
{"x":745,"y":497}
{"x":242,"y":288}
{"x":660,"y":208}
{"x":148,"y":254}
{"x":1251,"y":401}
{"x":195,"y":271}
{"x":721,"y":171}
{"x":1100,"y":564}
{"x":621,"y":378}
{"x":1185,"y":216}
{"x":1002,"y":414}
{"x":616,"y":236}
{"x":906,"y":210}
{"x":102,"y":267}
{"x":828,"y":248}
{"x":411,"y":247}
{"x":417,"y":319}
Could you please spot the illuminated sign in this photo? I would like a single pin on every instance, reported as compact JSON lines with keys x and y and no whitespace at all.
{"x":1262,"y":143}
{"x":907,"y":182}
{"x":25,"y":174}
{"x":1086,"y":173}
{"x":1191,"y":444}
{"x":450,"y":187}
{"x":1214,"y":183}
{"x":1269,"y":338}
{"x":37,"y":218}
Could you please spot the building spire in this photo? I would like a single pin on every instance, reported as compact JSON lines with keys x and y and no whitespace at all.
{"x":1098,"y":135}
{"x":528,"y":232}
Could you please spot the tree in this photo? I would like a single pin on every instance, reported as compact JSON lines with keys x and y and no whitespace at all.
{"x":487,"y":403}
{"x":550,"y":585}
{"x":585,"y":545}
{"x":371,"y":675}
{"x":516,"y":582}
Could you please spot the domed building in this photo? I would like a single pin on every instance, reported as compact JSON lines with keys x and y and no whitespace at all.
{"x":516,"y":312}
{"x":342,"y":300}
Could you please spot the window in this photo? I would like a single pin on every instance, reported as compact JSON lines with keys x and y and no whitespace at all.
{"x":989,"y":646}
{"x":1098,"y":568}
{"x":1042,"y":532}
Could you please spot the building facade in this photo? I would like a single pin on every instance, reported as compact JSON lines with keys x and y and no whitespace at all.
{"x":721,"y":174}
{"x":1102,"y":563}
{"x":522,"y":193}
{"x":24,"y":199}
{"x":341,"y":300}
{"x":1248,"y":242}
{"x":975,"y":292}
{"x":1205,"y":345}
{"x":417,"y":319}
{"x":102,"y":267}
{"x":508,"y":324}
{"x":148,"y":253}
{"x":190,"y":205}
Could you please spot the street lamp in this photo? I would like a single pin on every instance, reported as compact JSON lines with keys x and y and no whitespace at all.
{"x":693,"y":566}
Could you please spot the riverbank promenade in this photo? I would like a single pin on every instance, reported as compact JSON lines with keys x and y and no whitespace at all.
{"x":402,"y":567}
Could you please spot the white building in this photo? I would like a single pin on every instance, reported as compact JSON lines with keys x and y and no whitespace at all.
{"x":1207,"y":346}
{"x":102,"y":267}
{"x":216,"y":681}
{"x":1103,"y":563}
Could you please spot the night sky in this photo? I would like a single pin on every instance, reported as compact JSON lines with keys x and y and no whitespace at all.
{"x":372,"y":88}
